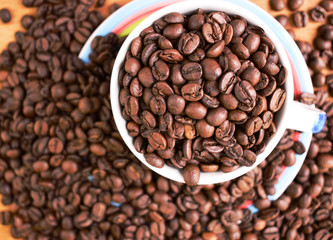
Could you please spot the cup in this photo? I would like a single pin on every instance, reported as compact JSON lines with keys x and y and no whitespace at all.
{"x":293,"y":115}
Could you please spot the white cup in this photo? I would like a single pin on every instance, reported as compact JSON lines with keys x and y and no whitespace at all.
{"x":293,"y":115}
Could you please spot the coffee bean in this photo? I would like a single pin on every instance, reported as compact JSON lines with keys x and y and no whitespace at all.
{"x":154,"y":160}
{"x":325,"y":161}
{"x":212,"y":32}
{"x":171,"y":56}
{"x":318,"y":14}
{"x":160,"y":70}
{"x":157,"y":105}
{"x":173,"y":31}
{"x":5,"y":15}
{"x":216,"y":117}
{"x":282,"y":19}
{"x":195,"y":110}
{"x":248,"y":158}
{"x":157,"y":141}
{"x":301,"y":19}
{"x":259,"y":59}
{"x":244,"y":92}
{"x":227,"y":82}
{"x":174,"y":17}
{"x":241,"y":51}
{"x":188,"y":43}
{"x":294,"y":4}
{"x":132,"y":105}
{"x":69,"y":166}
{"x":267,"y":118}
{"x":55,"y":145}
{"x":191,"y":175}
{"x":132,"y":66}
{"x":192,"y":71}
{"x":216,"y":49}
{"x":82,"y":220}
{"x":204,"y":129}
{"x":277,"y":99}
{"x":237,"y":116}
{"x":307,"y":98}
{"x":192,"y":92}
{"x":211,"y":69}
{"x":277,"y":5}
{"x":253,"y":125}
{"x":5,"y":218}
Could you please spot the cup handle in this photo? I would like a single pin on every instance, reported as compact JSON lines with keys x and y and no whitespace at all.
{"x":305,"y":118}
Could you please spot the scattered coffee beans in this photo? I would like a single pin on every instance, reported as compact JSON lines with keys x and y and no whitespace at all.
{"x":96,"y":189}
{"x":5,"y":15}
{"x":202,"y":89}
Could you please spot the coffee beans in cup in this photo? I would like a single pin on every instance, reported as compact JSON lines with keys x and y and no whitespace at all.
{"x":200,"y":92}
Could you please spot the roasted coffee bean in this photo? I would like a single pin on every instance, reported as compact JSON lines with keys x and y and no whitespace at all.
{"x":229,"y":101}
{"x":176,"y":104}
{"x":318,"y":14}
{"x":171,"y":56}
{"x":173,"y":31}
{"x":216,"y":49}
{"x":241,"y":51}
{"x":195,"y":110}
{"x":145,"y":77}
{"x":308,"y":98}
{"x":204,"y":129}
{"x":132,"y":105}
{"x":160,"y":70}
{"x":211,"y":69}
{"x":227,"y":82}
{"x":132,"y":66}
{"x":192,"y":71}
{"x":162,"y":88}
{"x":212,"y":32}
{"x":294,"y":4}
{"x":267,"y":118}
{"x":244,"y":92}
{"x":237,"y":116}
{"x":154,"y":160}
{"x":217,"y":116}
{"x":5,"y":15}
{"x":253,"y":125}
{"x":157,"y":105}
{"x":277,"y":99}
{"x":174,"y":17}
{"x":157,"y":141}
{"x":282,"y":19}
{"x":301,"y":19}
{"x":196,"y":21}
{"x":191,"y":175}
{"x":327,"y":4}
{"x":277,"y":5}
{"x":192,"y":92}
{"x":188,"y":43}
{"x":210,"y":102}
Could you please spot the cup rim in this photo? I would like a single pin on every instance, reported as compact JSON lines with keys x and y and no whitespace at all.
{"x":188,"y":6}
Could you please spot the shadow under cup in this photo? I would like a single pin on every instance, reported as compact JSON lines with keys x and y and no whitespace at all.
{"x":188,"y":7}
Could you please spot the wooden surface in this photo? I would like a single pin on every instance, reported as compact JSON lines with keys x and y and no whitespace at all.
{"x":7,"y":33}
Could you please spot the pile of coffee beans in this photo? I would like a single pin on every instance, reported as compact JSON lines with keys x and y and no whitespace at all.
{"x":66,"y":174}
{"x":200,"y":92}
